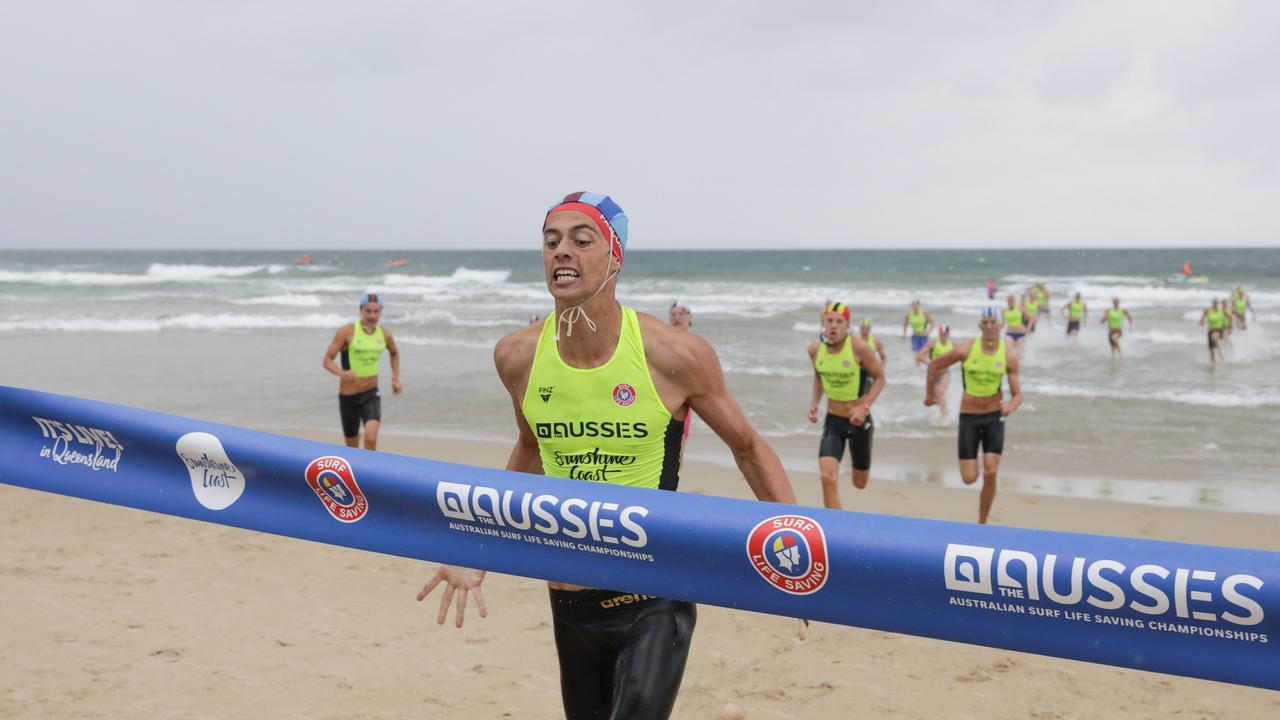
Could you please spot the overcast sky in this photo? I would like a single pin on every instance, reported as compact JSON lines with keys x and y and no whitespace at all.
{"x":312,"y":125}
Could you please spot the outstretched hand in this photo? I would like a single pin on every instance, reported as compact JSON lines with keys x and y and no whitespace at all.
{"x":455,"y":578}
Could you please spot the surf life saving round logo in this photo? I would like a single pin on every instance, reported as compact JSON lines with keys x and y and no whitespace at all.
{"x":790,"y":553}
{"x":624,"y":394}
{"x":334,"y":482}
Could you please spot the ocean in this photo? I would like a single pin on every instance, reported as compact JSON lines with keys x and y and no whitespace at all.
{"x":238,"y":337}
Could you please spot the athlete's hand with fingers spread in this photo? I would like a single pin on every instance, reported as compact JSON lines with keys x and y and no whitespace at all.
{"x":813,"y":413}
{"x":455,"y":578}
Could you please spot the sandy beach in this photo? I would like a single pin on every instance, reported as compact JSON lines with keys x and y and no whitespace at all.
{"x":117,"y":613}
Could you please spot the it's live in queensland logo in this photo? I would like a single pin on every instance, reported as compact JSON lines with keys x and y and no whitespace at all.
{"x":334,"y":482}
{"x":790,"y":553}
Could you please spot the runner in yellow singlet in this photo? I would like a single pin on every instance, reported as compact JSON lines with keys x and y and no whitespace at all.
{"x":1075,"y":312}
{"x":920,"y":323}
{"x":361,"y":345}
{"x":1240,"y":305}
{"x":864,"y":332}
{"x":984,"y":366}
{"x":1114,"y":318}
{"x":1216,"y":319}
{"x":1015,"y":323}
{"x":600,"y":392}
{"x":936,"y":348}
{"x":1031,"y":306}
{"x":848,"y":372}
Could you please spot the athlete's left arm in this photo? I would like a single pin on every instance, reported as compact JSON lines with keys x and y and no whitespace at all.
{"x":1015,"y":387}
{"x":396,"y":387}
{"x":691,"y":364}
{"x":1126,"y":314}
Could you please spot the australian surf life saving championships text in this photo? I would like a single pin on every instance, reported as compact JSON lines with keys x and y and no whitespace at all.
{"x":571,"y":523}
{"x":1146,"y":597}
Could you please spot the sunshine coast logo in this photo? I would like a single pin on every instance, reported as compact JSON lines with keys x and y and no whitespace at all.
{"x":215,"y":481}
{"x":71,"y":444}
{"x":334,"y":482}
{"x":790,"y":553}
{"x":624,"y":394}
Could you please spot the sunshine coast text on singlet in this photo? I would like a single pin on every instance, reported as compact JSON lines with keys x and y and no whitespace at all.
{"x":603,"y":424}
{"x":984,"y":373}
{"x":364,"y":351}
{"x":840,"y":373}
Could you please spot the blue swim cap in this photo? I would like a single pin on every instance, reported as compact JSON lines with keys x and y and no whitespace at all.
{"x":991,"y":313}
{"x":371,"y":298}
{"x":604,"y":211}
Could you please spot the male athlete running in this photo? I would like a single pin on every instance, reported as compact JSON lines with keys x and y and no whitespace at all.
{"x":984,"y":365}
{"x":848,"y":372}
{"x":361,"y":344}
{"x":596,"y":360}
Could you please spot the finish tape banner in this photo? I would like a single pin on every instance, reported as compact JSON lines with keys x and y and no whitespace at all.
{"x":1200,"y":611}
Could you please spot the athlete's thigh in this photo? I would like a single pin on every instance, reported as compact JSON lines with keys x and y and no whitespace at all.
{"x":833,"y":440}
{"x":586,"y":670}
{"x":651,"y":666}
{"x":860,"y":444}
{"x":990,"y":462}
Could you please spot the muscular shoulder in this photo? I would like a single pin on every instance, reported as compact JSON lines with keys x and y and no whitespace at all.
{"x":672,"y":352}
{"x":513,"y":354}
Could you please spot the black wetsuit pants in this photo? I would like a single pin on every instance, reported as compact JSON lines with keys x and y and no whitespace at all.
{"x":622,"y":655}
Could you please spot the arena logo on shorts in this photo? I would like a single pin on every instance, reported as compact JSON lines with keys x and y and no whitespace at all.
{"x":1020,"y":579}
{"x":624,"y":394}
{"x":790,"y":553}
{"x":216,"y":481}
{"x":334,"y":482}
{"x":71,"y":444}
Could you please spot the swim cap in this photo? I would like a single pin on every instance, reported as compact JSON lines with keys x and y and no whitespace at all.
{"x":840,"y":309}
{"x":676,"y":304}
{"x":944,"y":329}
{"x":604,"y":211}
{"x":990,"y":313}
{"x":866,"y":322}
{"x":371,"y":298}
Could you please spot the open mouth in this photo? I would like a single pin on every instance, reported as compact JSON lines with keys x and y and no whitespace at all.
{"x":565,"y":275}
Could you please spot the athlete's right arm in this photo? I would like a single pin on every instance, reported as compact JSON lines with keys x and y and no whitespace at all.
{"x":924,"y":351}
{"x":817,"y":384}
{"x":340,"y":340}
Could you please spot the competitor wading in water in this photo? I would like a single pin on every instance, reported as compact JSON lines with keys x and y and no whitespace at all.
{"x":1217,"y":321}
{"x":848,"y":371}
{"x":1015,"y":322}
{"x":1114,"y":317}
{"x":361,"y":344}
{"x":920,"y":323}
{"x":984,"y":366}
{"x":1075,"y":311}
{"x":936,"y":348}
{"x":593,"y":360}
{"x":864,"y":332}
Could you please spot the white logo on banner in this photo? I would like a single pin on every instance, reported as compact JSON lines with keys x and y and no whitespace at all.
{"x":215,"y":480}
{"x":71,"y":444}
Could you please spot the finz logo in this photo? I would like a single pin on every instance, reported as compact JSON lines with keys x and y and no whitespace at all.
{"x":1103,"y":584}
{"x":334,"y":482}
{"x":624,"y":394}
{"x":70,"y":444}
{"x":215,"y":480}
{"x":790,"y":553}
{"x":545,"y":392}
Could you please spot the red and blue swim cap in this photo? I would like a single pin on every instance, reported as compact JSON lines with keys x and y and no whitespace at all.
{"x":370,"y":298}
{"x":606,"y":213}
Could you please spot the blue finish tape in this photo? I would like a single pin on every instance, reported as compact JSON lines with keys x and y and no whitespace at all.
{"x":1194,"y":610}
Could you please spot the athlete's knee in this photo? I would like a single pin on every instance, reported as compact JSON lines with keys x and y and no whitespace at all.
{"x":830,"y":478}
{"x":989,"y":476}
{"x":969,"y":475}
{"x":860,"y":478}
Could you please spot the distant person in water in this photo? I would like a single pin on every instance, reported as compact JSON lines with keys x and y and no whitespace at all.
{"x":936,"y":348}
{"x":1114,"y":318}
{"x":1216,"y":319}
{"x":864,"y":332}
{"x":991,"y":289}
{"x":920,"y":322}
{"x":1240,"y":304}
{"x":1015,"y":324}
{"x":984,"y":366}
{"x":1075,"y":312}
{"x":361,"y":345}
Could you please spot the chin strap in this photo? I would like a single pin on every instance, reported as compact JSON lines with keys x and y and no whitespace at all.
{"x":576,"y":313}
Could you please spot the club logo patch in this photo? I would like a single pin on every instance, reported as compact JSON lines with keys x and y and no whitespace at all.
{"x":624,"y":394}
{"x":545,"y":392}
{"x":790,"y":553}
{"x":334,"y":482}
